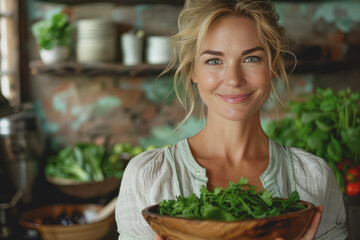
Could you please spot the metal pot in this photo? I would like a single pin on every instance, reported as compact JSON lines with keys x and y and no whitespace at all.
{"x":21,"y":149}
{"x":8,"y":213}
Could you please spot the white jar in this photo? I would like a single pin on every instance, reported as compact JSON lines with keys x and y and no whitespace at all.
{"x":132,"y":48}
{"x":158,"y":49}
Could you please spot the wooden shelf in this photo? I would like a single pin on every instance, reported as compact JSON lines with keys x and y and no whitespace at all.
{"x":75,"y":68}
{"x":124,"y":2}
{"x":114,"y":68}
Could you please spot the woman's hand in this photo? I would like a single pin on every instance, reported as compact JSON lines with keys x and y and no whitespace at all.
{"x":158,"y":237}
{"x":310,"y":234}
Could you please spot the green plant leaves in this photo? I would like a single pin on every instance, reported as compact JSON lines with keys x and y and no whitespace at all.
{"x":314,"y":141}
{"x":89,"y":162}
{"x":333,"y":150}
{"x":52,"y":32}
{"x":308,"y":117}
{"x":215,"y":213}
{"x":267,"y":198}
{"x":326,"y":124}
{"x":238,"y":201}
{"x":323,"y":126}
{"x":351,"y":137}
{"x":328,"y":106}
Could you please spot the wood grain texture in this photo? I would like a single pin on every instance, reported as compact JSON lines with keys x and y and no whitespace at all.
{"x":289,"y":226}
{"x":85,"y":190}
{"x":31,"y":219}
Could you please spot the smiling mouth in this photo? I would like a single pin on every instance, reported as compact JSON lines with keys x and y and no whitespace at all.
{"x":235,"y":98}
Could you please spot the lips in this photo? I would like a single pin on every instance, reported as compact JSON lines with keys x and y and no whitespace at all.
{"x":234,"y":98}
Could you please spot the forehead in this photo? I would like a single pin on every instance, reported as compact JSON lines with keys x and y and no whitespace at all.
{"x":231,"y":32}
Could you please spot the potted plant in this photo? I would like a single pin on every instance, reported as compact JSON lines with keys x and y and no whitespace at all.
{"x":53,"y":38}
{"x":326,"y":124}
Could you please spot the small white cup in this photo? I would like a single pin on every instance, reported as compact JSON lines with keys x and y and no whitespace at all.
{"x":132,"y":47}
{"x":158,"y":49}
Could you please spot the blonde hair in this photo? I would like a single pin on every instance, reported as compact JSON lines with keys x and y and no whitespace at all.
{"x":193,"y":22}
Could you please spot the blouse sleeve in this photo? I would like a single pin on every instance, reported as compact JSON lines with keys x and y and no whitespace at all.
{"x":334,"y":216}
{"x":146,"y":181}
{"x":316,"y":183}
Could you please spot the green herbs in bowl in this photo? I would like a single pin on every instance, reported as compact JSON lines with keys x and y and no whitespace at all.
{"x":87,"y":170}
{"x":237,"y":212}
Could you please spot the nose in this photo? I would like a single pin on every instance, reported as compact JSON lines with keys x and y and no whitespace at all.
{"x":234,"y":76}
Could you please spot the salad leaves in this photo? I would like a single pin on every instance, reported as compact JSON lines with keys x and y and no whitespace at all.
{"x":239,"y":201}
{"x":85,"y":162}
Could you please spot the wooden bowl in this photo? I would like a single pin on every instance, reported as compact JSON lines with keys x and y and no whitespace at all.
{"x":289,"y":226}
{"x":90,"y":231}
{"x":85,"y":190}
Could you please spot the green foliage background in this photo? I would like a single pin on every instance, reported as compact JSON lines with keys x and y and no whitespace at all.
{"x":327,"y":124}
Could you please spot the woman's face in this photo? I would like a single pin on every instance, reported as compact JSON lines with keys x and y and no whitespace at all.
{"x":232,"y":72}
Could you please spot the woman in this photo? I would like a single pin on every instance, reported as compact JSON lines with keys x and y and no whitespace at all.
{"x":229,"y":52}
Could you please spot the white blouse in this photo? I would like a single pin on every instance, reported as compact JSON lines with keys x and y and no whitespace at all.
{"x":172,"y":171}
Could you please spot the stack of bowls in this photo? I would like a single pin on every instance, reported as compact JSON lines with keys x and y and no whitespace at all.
{"x":96,"y":41}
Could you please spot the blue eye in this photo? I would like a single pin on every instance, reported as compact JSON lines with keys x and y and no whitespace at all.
{"x":252,"y":59}
{"x":213,"y":61}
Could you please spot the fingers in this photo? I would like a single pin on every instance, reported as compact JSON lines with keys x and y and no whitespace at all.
{"x":310,"y":234}
{"x":157,"y":237}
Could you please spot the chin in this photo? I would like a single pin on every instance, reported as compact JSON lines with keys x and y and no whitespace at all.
{"x":240,"y":114}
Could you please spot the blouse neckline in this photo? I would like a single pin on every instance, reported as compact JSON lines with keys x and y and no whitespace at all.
{"x":200,"y":172}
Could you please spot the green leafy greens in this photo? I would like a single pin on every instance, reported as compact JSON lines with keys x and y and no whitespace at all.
{"x":85,"y":162}
{"x":239,"y":201}
{"x":52,"y":32}
{"x":327,"y":124}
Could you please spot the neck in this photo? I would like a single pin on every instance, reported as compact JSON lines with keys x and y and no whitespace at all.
{"x":235,"y":141}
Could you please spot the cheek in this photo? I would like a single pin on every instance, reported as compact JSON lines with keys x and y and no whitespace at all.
{"x":260,"y":78}
{"x":208,"y":80}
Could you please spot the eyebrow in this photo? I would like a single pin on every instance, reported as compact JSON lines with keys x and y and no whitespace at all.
{"x":211,"y":52}
{"x":245,"y":52}
{"x":251,"y":50}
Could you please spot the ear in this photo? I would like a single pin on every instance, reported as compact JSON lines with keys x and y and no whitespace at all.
{"x":193,"y":78}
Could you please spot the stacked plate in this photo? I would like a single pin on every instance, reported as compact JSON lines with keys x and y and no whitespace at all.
{"x":96,"y":41}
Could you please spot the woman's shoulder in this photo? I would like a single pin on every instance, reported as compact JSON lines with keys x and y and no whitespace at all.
{"x":155,"y":159}
{"x":150,"y":160}
{"x":149,"y":174}
{"x":309,"y":165}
